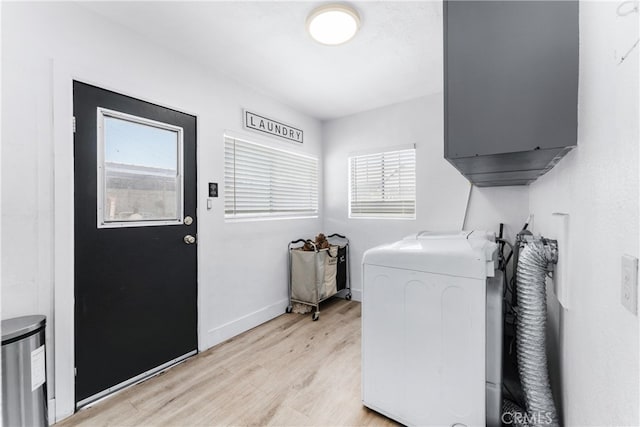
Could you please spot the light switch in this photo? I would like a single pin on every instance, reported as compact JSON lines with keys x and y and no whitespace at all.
{"x":629,"y":276}
{"x":213,"y":189}
{"x":209,"y":204}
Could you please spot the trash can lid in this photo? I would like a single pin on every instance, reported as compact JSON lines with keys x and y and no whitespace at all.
{"x":18,"y":326}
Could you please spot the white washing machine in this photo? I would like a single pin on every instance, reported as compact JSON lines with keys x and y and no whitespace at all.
{"x":432,"y":330}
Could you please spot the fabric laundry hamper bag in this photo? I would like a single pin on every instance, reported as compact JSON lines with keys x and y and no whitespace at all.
{"x":311,"y":271}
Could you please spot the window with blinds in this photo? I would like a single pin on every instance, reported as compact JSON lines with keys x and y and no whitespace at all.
{"x":261,"y":181}
{"x":383,"y":185}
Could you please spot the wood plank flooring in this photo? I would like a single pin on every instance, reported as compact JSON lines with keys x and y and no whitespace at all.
{"x":290,"y":371}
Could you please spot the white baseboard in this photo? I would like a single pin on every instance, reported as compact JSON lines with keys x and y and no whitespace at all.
{"x":56,"y":416}
{"x":51,"y":411}
{"x":356,"y":294}
{"x":242,"y":324}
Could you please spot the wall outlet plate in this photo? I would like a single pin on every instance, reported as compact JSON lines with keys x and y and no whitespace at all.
{"x":629,"y":279}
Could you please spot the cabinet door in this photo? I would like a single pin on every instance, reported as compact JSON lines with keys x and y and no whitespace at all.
{"x":511,"y":76}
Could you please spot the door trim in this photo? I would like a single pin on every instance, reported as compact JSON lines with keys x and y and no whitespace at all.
{"x":62,"y":74}
{"x":135,"y":380}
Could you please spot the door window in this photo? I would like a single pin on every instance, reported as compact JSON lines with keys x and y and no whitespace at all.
{"x":139,"y":171}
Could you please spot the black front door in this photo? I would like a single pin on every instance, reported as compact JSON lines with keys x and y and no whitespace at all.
{"x":135,"y":231}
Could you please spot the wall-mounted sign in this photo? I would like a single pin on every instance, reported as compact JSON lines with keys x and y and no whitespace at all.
{"x":272,"y":127}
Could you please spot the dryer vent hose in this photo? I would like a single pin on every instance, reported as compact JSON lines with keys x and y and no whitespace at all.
{"x":536,"y":255}
{"x":512,"y":414}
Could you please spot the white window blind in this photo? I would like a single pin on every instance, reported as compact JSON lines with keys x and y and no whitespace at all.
{"x":261,"y":181}
{"x":383,"y":185}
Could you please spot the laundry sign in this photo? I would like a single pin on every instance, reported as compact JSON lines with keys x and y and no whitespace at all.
{"x":262,"y":124}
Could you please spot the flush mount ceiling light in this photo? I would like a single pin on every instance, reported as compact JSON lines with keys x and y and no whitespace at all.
{"x":333,"y":24}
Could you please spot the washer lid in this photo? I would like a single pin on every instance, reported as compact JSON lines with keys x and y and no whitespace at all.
{"x":464,"y":254}
{"x":18,"y":326}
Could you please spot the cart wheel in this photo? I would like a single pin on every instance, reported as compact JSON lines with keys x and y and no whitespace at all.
{"x":289,"y":309}
{"x":315,"y":316}
{"x":348,"y":296}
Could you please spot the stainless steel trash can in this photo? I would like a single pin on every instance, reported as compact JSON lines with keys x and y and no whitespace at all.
{"x":24,"y":377}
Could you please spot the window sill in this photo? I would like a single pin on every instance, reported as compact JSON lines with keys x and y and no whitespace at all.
{"x":383,"y":218}
{"x":267,"y":218}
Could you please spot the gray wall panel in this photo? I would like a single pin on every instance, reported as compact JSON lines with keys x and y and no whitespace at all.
{"x":511,"y":78}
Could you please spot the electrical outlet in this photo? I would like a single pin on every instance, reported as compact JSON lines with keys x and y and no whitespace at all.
{"x":629,"y":291}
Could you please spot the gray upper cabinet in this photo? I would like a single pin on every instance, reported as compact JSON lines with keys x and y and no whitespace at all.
{"x":510,"y":87}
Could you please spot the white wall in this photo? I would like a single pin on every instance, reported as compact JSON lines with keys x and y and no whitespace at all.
{"x":442,"y":191}
{"x":242,"y":266}
{"x":597,"y":185}
{"x":45,"y":45}
{"x":0,"y":211}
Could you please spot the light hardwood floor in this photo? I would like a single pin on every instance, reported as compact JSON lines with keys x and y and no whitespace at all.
{"x":290,"y":371}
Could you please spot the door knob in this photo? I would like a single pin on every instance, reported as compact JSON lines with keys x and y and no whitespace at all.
{"x":189,"y":239}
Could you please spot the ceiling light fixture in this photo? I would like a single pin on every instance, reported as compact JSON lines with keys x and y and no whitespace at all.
{"x":333,"y":24}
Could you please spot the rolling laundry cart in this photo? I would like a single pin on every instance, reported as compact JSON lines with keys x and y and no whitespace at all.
{"x":317,"y":275}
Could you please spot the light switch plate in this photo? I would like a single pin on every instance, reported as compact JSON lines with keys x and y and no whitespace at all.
{"x":213,"y":189}
{"x":629,"y":279}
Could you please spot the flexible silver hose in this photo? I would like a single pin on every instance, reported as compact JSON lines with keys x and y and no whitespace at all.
{"x":512,"y":414}
{"x":534,"y":258}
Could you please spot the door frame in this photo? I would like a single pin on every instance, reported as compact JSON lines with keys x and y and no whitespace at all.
{"x":62,"y":76}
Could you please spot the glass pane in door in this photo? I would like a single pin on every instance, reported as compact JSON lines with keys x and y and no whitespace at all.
{"x":142,"y":172}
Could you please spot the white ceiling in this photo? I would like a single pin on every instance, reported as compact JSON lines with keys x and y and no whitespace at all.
{"x":396,"y":55}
